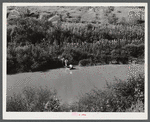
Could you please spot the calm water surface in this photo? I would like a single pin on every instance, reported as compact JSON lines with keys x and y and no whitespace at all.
{"x":72,"y":83}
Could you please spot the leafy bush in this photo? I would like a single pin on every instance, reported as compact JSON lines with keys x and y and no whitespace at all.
{"x":120,"y":55}
{"x":105,"y":59}
{"x":47,"y":64}
{"x":140,"y":50}
{"x":89,"y":26}
{"x":11,"y":60}
{"x":118,"y":97}
{"x":74,"y":54}
{"x":135,"y":50}
{"x":30,"y":58}
{"x":34,"y":99}
{"x":138,"y":107}
{"x":85,"y":62}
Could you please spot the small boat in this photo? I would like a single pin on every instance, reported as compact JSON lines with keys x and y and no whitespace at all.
{"x":70,"y":67}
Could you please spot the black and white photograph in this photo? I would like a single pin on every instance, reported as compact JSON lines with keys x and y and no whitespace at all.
{"x":75,"y":61}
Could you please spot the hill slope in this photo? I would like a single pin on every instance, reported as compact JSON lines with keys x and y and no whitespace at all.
{"x":85,"y":14}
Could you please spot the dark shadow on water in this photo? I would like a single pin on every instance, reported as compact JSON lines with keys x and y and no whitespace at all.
{"x":41,"y":68}
{"x":58,"y":68}
{"x":48,"y":69}
{"x":73,"y":68}
{"x":38,"y":70}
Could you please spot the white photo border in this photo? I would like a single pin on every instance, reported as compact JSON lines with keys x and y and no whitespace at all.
{"x":70,"y":115}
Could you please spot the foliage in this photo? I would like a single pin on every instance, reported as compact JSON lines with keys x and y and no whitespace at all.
{"x":85,"y":62}
{"x":33,"y":99}
{"x":118,"y":97}
{"x":135,"y":50}
{"x":35,"y":44}
{"x":138,"y":107}
{"x":30,"y":58}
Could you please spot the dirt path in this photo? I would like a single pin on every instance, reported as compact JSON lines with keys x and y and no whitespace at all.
{"x":71,"y":83}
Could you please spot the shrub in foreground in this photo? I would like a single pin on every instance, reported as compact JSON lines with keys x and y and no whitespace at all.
{"x":34,"y":99}
{"x":118,"y":97}
{"x":138,"y":107}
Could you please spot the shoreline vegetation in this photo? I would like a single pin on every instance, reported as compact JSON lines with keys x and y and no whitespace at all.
{"x":120,"y":96}
{"x":38,"y":44}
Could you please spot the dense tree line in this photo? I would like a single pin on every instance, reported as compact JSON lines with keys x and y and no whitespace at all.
{"x":36,"y":44}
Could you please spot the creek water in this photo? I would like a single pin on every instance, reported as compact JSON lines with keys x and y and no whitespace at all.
{"x":70,"y":84}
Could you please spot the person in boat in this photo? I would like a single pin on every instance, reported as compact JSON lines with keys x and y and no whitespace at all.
{"x":66,"y":63}
{"x":70,"y":66}
{"x":63,"y":60}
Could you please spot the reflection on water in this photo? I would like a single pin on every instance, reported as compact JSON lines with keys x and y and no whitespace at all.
{"x":71,"y":83}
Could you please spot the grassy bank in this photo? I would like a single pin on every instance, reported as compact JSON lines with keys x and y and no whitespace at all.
{"x":121,"y":96}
